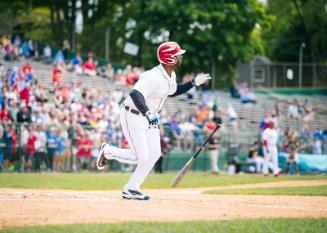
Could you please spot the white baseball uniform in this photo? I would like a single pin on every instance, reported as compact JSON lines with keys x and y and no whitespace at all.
{"x":144,"y":141}
{"x":271,"y":137}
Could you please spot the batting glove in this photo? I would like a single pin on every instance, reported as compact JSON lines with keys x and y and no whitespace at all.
{"x":153,"y":120}
{"x":199,"y":79}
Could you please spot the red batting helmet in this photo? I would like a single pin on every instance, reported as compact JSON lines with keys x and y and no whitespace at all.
{"x":167,"y":51}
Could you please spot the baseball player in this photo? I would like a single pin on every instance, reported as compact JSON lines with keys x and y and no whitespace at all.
{"x":139,"y":117}
{"x":269,"y":141}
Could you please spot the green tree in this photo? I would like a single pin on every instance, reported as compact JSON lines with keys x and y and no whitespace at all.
{"x":295,"y":22}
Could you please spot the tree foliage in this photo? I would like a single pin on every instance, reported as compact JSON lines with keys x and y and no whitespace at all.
{"x":295,"y":22}
{"x":215,"y":33}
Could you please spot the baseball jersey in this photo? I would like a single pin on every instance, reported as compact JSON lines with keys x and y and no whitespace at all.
{"x":155,"y":85}
{"x":271,"y":136}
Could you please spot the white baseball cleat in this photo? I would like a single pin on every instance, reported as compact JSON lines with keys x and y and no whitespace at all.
{"x":134,"y":194}
{"x":101,"y":159}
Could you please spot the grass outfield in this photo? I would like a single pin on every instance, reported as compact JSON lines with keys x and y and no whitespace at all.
{"x":318,"y":225}
{"x":299,"y":191}
{"x":111,"y":181}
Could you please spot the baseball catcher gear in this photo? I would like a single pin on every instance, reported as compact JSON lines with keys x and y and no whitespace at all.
{"x":199,"y":79}
{"x":168,"y":51}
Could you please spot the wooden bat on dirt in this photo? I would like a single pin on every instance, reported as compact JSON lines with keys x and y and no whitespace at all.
{"x":189,"y":163}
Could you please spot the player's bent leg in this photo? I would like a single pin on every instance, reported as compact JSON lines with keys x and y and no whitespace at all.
{"x":101,"y":159}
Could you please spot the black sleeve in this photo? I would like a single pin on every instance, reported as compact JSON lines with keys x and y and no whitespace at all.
{"x":183,"y":87}
{"x":139,"y":101}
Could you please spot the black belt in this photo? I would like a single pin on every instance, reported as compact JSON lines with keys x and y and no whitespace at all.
{"x":132,"y":110}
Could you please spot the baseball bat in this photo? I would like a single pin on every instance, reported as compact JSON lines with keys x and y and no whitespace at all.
{"x":189,"y":163}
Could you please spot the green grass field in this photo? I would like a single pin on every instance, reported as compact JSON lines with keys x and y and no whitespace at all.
{"x":298,"y":225}
{"x":112,"y":181}
{"x":298,"y":191}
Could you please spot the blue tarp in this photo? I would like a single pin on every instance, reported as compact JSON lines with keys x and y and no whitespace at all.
{"x":307,"y":163}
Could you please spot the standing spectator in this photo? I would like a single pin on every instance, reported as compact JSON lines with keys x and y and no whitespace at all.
{"x":84,"y":151}
{"x":30,"y":150}
{"x":317,"y":146}
{"x":2,"y":146}
{"x":165,"y":148}
{"x":41,"y":160}
{"x":52,"y":145}
{"x":58,"y":163}
{"x":213,"y":147}
{"x":269,"y":141}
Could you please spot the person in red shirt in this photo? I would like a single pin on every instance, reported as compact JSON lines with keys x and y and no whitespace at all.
{"x":56,"y":75}
{"x":84,"y":152}
{"x":30,"y":150}
{"x":24,"y":95}
{"x":90,"y":67}
{"x":5,"y":114}
{"x":27,"y":72}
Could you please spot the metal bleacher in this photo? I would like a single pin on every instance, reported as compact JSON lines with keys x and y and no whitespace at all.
{"x":249,"y":114}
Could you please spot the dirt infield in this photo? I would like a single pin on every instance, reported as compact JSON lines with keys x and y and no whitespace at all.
{"x":39,"y":207}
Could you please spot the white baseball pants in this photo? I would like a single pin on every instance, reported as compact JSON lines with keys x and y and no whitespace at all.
{"x":144,"y":149}
{"x":273,"y":157}
{"x":214,"y":156}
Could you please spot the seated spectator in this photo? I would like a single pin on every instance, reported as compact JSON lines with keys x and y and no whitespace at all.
{"x":23,"y":114}
{"x":5,"y":114}
{"x":27,"y":72}
{"x":233,"y":160}
{"x":232,"y":117}
{"x":234,"y":92}
{"x":58,"y":58}
{"x":56,"y":75}
{"x":202,"y":113}
{"x":308,"y":111}
{"x":90,"y":67}
{"x":65,"y":48}
{"x":318,"y":133}
{"x":77,"y":64}
{"x":25,"y":50}
{"x":248,"y":96}
{"x":108,"y":72}
{"x":254,"y":157}
{"x":292,"y":149}
{"x":47,"y":54}
{"x":131,"y":77}
{"x":12,"y":52}
{"x":293,"y":110}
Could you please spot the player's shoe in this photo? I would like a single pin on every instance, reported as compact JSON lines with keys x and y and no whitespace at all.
{"x":134,"y":194}
{"x":101,"y":160}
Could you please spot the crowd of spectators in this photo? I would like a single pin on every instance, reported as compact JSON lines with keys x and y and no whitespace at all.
{"x":15,"y":49}
{"x":60,"y":128}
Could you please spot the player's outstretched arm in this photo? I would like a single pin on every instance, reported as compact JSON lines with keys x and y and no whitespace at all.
{"x":197,"y":80}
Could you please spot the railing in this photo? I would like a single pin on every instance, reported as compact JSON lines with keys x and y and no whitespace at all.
{"x":20,"y":152}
